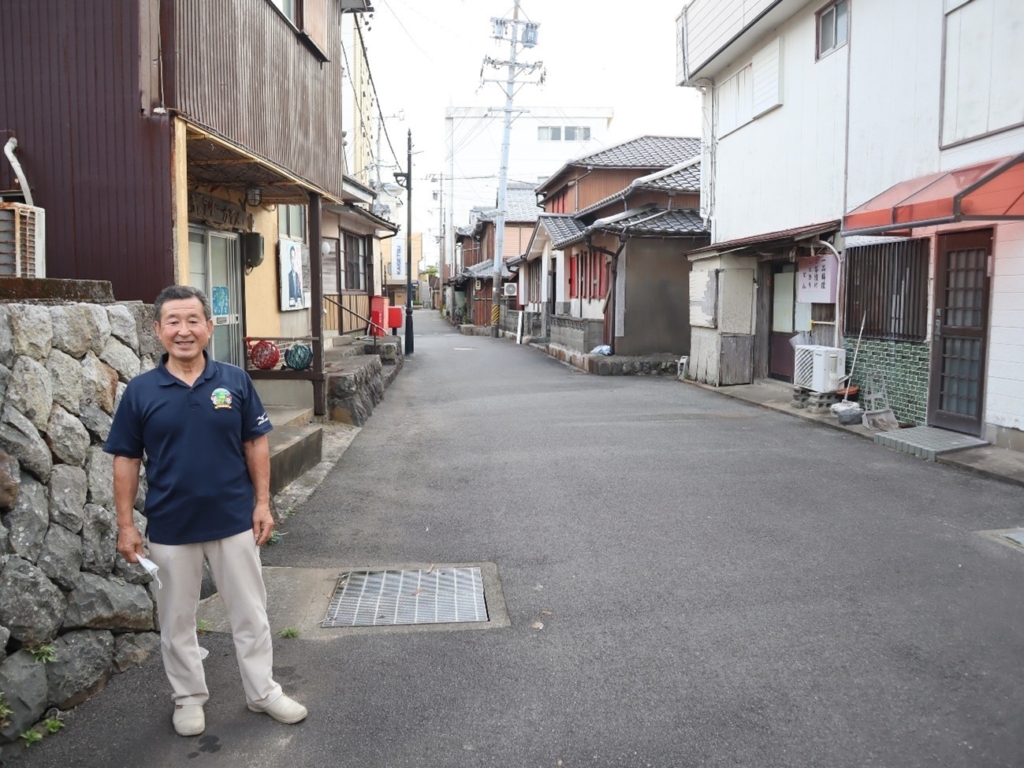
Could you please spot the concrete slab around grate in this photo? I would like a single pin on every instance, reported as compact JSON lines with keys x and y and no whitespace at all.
{"x":927,"y":442}
{"x":1010,"y":537}
{"x":298,"y":598}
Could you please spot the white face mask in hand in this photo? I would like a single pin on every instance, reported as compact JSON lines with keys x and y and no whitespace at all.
{"x":151,"y":569}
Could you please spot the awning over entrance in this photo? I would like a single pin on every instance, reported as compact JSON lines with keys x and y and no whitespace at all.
{"x":989,"y":191}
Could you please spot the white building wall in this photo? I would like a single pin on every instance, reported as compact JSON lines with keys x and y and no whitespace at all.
{"x":897,"y":100}
{"x":784,"y":168}
{"x":1004,"y":402}
{"x":474,"y":153}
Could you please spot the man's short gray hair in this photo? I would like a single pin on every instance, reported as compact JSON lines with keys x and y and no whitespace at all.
{"x":177,"y":293}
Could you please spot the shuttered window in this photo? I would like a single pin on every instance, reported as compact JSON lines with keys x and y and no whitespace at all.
{"x":887,"y":288}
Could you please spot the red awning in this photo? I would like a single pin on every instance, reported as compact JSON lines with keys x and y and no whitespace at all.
{"x":989,"y":191}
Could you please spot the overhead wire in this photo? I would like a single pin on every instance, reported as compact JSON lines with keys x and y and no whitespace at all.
{"x":376,"y":98}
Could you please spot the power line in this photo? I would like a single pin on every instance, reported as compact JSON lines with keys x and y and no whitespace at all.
{"x":373,"y":85}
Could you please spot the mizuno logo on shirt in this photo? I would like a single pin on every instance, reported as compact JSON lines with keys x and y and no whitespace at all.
{"x":262,"y":420}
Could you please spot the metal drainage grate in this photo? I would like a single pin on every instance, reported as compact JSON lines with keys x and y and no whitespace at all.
{"x":389,"y":598}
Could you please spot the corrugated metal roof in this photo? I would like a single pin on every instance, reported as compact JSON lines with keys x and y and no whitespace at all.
{"x":782,"y":237}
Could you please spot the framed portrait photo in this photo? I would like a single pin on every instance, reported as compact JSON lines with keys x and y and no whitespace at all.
{"x":293,"y":269}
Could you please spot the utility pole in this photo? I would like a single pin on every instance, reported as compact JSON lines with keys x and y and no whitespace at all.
{"x":524,"y":34}
{"x":407,"y":179}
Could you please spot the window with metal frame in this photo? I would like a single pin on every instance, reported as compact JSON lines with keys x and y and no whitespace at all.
{"x":833,"y":26}
{"x":549,"y":133}
{"x":887,"y":286}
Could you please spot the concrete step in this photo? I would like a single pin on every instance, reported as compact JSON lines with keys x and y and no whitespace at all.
{"x":288,"y":415}
{"x":927,"y":442}
{"x":294,"y":450}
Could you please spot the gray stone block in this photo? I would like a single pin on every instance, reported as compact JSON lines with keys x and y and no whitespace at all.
{"x":68,"y":488}
{"x":81,"y":668}
{"x":66,"y":379}
{"x":61,"y":557}
{"x":67,"y":437}
{"x":32,"y":330}
{"x":23,"y":682}
{"x":99,"y":539}
{"x":134,"y":649}
{"x":28,"y":521}
{"x":22,"y":440}
{"x":98,"y":603}
{"x":31,"y":606}
{"x":30,"y":391}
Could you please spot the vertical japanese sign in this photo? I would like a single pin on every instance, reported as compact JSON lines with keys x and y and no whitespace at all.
{"x":816,"y":279}
{"x":397,"y":259}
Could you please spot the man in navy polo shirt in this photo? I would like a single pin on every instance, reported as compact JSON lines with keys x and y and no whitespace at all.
{"x":203,"y":431}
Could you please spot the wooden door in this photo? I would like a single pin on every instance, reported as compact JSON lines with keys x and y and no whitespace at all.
{"x":960,"y":331}
{"x":782,"y":357}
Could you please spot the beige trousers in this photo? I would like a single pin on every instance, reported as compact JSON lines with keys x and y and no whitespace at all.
{"x":235,"y":562}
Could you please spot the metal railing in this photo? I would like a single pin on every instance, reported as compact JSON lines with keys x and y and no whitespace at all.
{"x":370,"y":325}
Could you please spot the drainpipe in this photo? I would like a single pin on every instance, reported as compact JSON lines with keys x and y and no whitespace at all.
{"x":839,"y":285}
{"x":9,"y":147}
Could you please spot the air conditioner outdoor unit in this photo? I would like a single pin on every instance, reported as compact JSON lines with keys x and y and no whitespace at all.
{"x":22,"y":240}
{"x":818,"y":368}
{"x":511,"y":289}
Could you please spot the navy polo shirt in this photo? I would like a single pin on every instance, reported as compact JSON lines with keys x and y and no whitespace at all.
{"x":199,"y":485}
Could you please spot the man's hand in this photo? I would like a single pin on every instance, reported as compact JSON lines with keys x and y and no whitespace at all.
{"x":129,"y":543}
{"x":262,"y":523}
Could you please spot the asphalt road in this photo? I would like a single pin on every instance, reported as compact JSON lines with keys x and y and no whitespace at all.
{"x":718,"y":585}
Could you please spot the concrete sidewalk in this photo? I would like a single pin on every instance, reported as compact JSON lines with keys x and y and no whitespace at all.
{"x":988,"y":461}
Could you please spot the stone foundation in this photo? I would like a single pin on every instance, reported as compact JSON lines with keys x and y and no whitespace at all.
{"x":65,"y":593}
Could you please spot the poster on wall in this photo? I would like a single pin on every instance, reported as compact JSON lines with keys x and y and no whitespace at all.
{"x":293,"y":260}
{"x":816,"y":279}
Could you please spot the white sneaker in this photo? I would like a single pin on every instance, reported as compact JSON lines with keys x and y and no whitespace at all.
{"x":284,"y":709}
{"x":188,"y":719}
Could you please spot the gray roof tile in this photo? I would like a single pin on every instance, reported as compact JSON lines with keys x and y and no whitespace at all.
{"x":644,"y":152}
{"x":561,"y":228}
{"x":654,"y":220}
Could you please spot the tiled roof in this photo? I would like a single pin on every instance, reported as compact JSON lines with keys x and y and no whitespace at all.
{"x":671,"y":180}
{"x":684,"y":180}
{"x":644,"y":152}
{"x":561,"y":228}
{"x":656,"y":221}
{"x":521,"y":204}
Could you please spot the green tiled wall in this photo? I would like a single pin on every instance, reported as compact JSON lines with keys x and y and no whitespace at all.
{"x":905,"y":367}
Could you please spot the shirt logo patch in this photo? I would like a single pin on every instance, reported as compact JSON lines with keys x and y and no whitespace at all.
{"x":221,"y":398}
{"x":262,"y":420}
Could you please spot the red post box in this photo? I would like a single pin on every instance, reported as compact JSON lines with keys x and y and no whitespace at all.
{"x":394,"y":317}
{"x":378,"y":314}
{"x":376,"y":329}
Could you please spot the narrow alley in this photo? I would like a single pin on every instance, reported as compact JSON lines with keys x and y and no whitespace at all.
{"x":687,"y":580}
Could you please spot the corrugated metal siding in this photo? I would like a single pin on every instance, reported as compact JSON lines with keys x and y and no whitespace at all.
{"x":242,"y":71}
{"x":69,"y":91}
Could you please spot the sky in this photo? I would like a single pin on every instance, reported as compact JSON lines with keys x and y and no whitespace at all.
{"x":427,"y":56}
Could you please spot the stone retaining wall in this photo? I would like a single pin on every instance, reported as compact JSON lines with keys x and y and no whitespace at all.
{"x":65,"y":593}
{"x":355,"y":385}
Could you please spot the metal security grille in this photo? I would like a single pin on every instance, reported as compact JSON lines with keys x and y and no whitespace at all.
{"x":394,"y":597}
{"x":887,"y":287}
